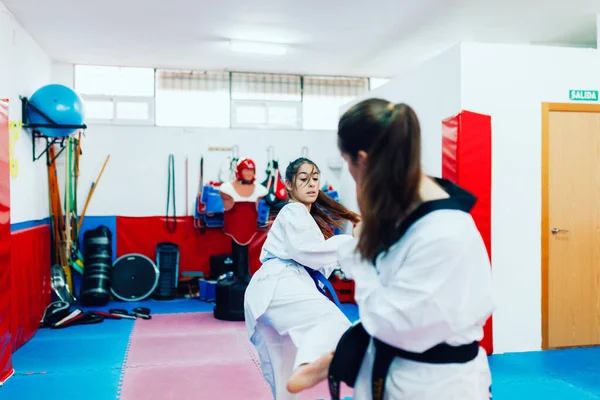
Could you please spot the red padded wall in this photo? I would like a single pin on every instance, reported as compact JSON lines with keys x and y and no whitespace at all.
{"x":6,"y":368}
{"x":467,"y":161}
{"x":142,"y":234}
{"x":30,"y":277}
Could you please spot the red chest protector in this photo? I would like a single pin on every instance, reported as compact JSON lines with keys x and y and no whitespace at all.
{"x":241,"y":222}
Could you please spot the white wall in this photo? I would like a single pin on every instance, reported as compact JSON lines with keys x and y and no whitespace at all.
{"x":135,"y":180}
{"x":23,"y":69}
{"x":510,"y":83}
{"x":433,"y":90}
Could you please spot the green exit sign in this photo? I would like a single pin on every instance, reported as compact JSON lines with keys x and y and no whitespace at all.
{"x":583,"y":95}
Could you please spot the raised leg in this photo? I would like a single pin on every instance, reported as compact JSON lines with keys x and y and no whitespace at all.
{"x":309,"y":375}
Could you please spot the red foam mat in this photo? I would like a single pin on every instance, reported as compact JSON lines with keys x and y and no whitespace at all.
{"x":30,"y":277}
{"x":467,"y":161}
{"x":6,"y":368}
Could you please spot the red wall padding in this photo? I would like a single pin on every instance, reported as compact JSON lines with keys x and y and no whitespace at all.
{"x":6,"y":368}
{"x":31,"y":286}
{"x":142,"y":234}
{"x":467,"y":161}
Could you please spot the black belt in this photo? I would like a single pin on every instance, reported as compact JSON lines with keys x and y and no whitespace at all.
{"x":353,"y":345}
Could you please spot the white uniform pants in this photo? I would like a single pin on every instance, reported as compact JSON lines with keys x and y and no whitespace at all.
{"x":299,"y":326}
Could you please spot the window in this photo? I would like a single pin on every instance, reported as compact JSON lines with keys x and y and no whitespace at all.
{"x":114,"y":81}
{"x":291,"y":116}
{"x":119,"y":110}
{"x":189,"y":98}
{"x":374,"y":83}
{"x":272,"y":87}
{"x":251,"y":114}
{"x":192,"y":98}
{"x":99,"y":109}
{"x":323,"y":97}
{"x":116,"y":95}
{"x":132,"y":111}
{"x":266,"y":101}
{"x":266,"y":114}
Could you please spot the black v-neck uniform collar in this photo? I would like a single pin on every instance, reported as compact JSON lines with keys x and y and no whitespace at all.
{"x":459,"y":199}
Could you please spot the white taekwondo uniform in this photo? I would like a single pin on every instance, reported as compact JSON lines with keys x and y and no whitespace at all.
{"x":289,"y":321}
{"x":433,"y":286}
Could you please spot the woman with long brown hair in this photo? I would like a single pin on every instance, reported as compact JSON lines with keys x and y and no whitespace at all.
{"x":421,"y":269}
{"x":288,"y":317}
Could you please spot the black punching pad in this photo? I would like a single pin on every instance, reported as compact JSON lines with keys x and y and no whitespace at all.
{"x":229,"y":298}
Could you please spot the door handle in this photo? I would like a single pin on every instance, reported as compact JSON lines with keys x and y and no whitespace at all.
{"x":556,"y":230}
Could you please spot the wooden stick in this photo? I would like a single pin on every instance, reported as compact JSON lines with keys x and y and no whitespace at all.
{"x":92,"y":189}
{"x":67,"y":238}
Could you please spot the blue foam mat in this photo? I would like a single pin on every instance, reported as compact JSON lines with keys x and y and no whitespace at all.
{"x":541,"y":389}
{"x":62,"y":353}
{"x":107,"y":329}
{"x":89,"y":385}
{"x":557,"y":374}
{"x":158,"y":307}
{"x":187,"y":305}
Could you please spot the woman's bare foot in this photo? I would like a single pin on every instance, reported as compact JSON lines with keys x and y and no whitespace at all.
{"x":309,"y":375}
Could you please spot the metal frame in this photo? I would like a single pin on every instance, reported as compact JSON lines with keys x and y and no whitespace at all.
{"x":36,"y":134}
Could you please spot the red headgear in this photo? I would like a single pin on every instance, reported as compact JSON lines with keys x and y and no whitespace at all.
{"x":245,"y":163}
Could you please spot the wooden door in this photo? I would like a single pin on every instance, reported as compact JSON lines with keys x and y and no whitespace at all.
{"x":573,"y":223}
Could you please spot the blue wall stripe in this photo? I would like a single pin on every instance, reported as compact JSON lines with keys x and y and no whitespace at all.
{"x":29,"y":224}
{"x":89,"y":223}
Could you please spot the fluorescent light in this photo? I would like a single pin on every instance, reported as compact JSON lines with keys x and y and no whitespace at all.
{"x":258,"y":47}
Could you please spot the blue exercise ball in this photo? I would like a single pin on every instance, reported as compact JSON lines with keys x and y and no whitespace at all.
{"x":59,"y":103}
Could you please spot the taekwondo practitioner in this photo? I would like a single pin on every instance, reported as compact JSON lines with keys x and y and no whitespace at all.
{"x":421,"y":269}
{"x":288,"y":317}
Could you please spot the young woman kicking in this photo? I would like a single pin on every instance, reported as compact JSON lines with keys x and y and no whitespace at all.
{"x":288,"y":317}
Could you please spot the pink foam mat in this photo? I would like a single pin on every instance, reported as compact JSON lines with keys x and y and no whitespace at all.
{"x":228,"y":381}
{"x":184,"y":324}
{"x":186,"y":349}
{"x":195,"y":356}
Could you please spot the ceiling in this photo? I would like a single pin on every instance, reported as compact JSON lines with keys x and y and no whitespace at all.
{"x":378,"y":38}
